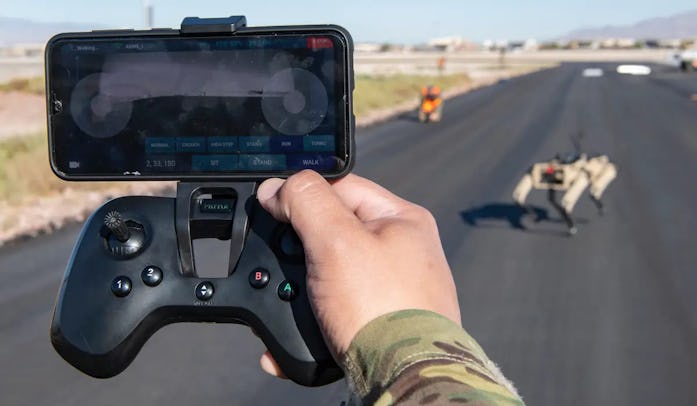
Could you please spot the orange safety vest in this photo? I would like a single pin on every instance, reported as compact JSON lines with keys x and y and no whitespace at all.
{"x":429,"y":105}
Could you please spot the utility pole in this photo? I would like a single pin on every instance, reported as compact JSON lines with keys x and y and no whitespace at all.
{"x":148,"y":14}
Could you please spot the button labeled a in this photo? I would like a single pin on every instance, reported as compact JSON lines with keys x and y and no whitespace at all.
{"x":287,"y":290}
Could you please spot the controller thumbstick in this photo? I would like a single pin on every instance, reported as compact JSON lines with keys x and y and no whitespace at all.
{"x":124,"y":239}
{"x":117,"y":226}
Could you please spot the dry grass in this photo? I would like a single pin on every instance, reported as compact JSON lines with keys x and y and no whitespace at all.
{"x":33,"y":200}
{"x":378,"y":92}
{"x":33,"y":85}
{"x":25,"y":172}
{"x":372,"y":92}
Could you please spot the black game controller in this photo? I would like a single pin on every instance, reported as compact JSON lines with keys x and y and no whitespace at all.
{"x":132,"y":272}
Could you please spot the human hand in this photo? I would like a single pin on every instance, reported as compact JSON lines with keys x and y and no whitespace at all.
{"x":367,"y":251}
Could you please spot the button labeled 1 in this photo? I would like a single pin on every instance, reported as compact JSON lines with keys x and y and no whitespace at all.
{"x":121,"y":286}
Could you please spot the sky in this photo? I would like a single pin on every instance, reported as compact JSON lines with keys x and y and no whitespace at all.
{"x":399,"y":21}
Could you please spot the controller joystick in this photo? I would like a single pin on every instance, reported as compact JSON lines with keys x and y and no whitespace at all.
{"x":117,"y":226}
{"x":124,"y":238}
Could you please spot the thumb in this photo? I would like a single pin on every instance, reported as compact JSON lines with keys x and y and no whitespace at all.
{"x":310,"y":204}
{"x":269,"y":365}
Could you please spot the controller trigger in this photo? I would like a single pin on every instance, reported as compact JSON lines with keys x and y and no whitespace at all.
{"x":288,"y":245}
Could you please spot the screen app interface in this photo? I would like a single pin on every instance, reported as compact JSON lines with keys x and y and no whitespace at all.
{"x":163,"y":106}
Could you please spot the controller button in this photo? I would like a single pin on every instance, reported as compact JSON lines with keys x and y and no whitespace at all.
{"x":204,"y":291}
{"x":151,"y":276}
{"x":121,"y":286}
{"x":290,"y":245}
{"x":259,"y":278}
{"x":287,"y":290}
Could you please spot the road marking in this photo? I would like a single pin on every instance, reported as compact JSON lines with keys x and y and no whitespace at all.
{"x":592,"y":72}
{"x":641,"y":70}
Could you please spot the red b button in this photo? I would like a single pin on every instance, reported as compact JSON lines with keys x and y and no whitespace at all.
{"x":259,"y":278}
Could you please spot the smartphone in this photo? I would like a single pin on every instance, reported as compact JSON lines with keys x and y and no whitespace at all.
{"x":144,"y":105}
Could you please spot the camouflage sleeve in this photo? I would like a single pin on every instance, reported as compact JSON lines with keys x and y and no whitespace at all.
{"x":415,"y":357}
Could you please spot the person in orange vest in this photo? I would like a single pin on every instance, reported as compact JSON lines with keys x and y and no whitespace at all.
{"x":431,"y":107}
{"x":441,"y":65}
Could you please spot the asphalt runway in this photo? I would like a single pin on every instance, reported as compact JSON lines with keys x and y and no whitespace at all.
{"x":608,"y":317}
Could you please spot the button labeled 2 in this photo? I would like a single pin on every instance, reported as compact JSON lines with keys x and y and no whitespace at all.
{"x":151,"y":276}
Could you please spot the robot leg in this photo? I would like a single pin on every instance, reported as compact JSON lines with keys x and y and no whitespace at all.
{"x":552,"y":197}
{"x":521,"y":192}
{"x":598,"y":205}
{"x":568,"y":201}
{"x":600,"y":183}
{"x":522,"y":189}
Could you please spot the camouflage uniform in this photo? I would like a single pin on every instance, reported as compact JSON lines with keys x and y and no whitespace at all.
{"x":416,"y":357}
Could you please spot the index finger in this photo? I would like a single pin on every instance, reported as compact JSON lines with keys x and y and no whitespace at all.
{"x":311,"y":205}
{"x":368,"y":200}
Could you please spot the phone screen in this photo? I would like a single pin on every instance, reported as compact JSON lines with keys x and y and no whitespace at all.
{"x":174,"y":107}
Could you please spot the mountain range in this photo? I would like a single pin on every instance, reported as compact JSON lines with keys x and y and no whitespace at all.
{"x":20,"y":31}
{"x":682,"y":25}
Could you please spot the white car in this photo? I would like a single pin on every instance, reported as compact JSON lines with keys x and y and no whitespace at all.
{"x":687,"y":60}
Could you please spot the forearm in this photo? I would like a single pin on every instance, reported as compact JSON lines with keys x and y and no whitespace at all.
{"x":419,"y":357}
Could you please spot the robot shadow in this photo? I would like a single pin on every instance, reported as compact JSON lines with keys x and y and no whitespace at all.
{"x":492,"y":215}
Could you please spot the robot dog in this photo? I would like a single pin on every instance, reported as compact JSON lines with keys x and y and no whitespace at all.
{"x":571,"y":175}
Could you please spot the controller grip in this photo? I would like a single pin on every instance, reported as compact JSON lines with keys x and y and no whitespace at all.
{"x":304,"y":360}
{"x":105,"y":364}
{"x":300,"y":362}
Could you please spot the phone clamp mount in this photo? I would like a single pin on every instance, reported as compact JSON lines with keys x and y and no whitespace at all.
{"x":196,"y":25}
